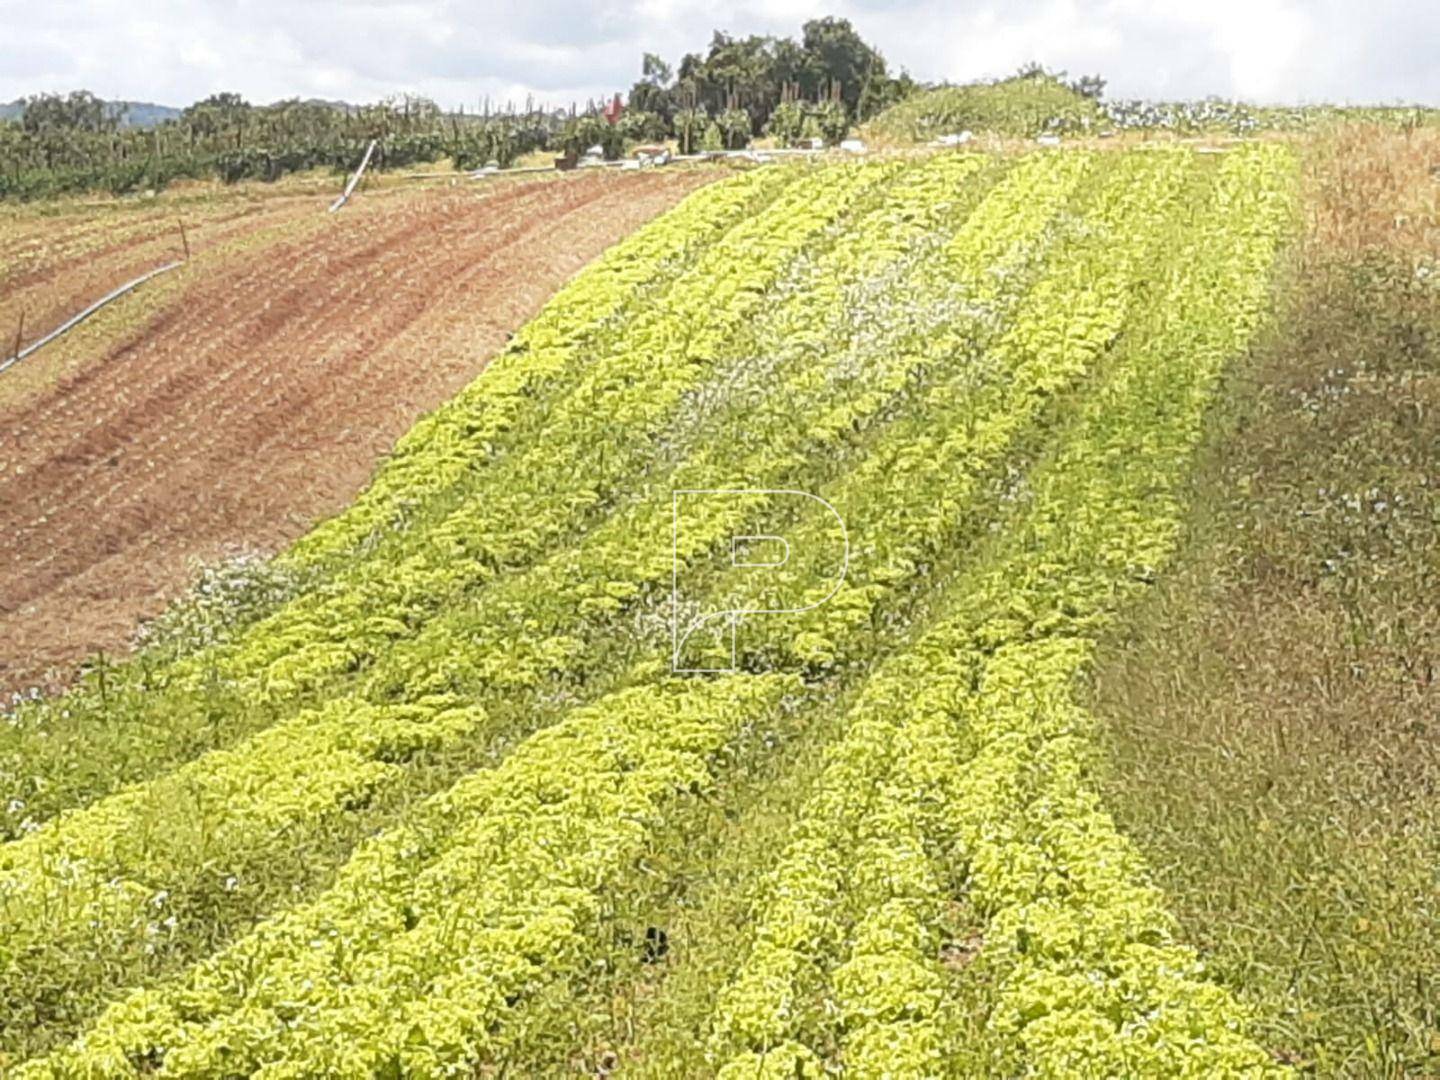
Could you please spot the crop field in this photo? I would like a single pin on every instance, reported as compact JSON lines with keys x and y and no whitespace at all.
{"x":231,"y":403}
{"x":449,"y":787}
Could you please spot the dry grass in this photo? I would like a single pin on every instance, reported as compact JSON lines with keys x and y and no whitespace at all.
{"x":1275,"y":708}
{"x":1372,"y":188}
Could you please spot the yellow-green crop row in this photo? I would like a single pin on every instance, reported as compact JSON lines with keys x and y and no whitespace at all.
{"x":430,"y":942}
{"x":894,"y":1013}
{"x":857,"y":855}
{"x":1000,"y":239}
{"x":103,"y":888}
{"x":620,"y":561}
{"x":531,"y":624}
{"x":962,"y":770}
{"x":275,"y":788}
{"x":579,"y":454}
{"x":529,"y":627}
{"x":243,"y":832}
{"x":756,"y":1011}
{"x":1090,"y":981}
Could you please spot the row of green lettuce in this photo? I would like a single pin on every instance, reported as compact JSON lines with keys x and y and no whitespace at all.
{"x":291,"y":1012}
{"x":1098,"y":275}
{"x":80,"y":894}
{"x":54,"y":755}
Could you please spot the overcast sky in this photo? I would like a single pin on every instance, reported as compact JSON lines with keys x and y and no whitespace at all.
{"x":456,"y":51}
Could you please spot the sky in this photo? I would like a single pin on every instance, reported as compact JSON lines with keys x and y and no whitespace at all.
{"x":458,"y":52}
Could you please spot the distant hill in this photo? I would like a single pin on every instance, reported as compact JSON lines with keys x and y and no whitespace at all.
{"x":138,"y":114}
{"x":146,"y":114}
{"x":1022,"y":105}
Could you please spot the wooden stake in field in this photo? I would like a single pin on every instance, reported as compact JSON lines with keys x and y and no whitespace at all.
{"x":19,"y":335}
{"x":184,"y":241}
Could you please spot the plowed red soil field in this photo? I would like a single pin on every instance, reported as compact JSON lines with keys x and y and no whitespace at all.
{"x":230,"y":404}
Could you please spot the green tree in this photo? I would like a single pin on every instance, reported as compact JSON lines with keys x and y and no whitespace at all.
{"x":220,"y":117}
{"x":838,"y":55}
{"x":787,"y":122}
{"x":79,"y":111}
{"x":734,"y":127}
{"x":642,"y":127}
{"x":689,"y":126}
{"x":656,"y":72}
{"x":1090,"y":86}
{"x":713,"y":138}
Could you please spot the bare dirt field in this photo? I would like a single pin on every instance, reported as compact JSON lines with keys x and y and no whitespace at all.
{"x":235,"y":401}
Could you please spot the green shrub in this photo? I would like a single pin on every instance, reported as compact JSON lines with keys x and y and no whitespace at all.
{"x":734,"y":125}
{"x":787,"y":122}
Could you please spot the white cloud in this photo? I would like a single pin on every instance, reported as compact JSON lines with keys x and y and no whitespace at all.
{"x":175,"y":51}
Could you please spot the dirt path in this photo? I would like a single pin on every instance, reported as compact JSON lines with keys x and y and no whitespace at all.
{"x":260,"y":396}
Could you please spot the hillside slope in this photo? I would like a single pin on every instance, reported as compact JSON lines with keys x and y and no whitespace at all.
{"x":443,"y":804}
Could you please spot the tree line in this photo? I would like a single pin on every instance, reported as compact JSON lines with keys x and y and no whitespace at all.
{"x":816,"y":87}
{"x":76,"y":142}
{"x":739,"y":88}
